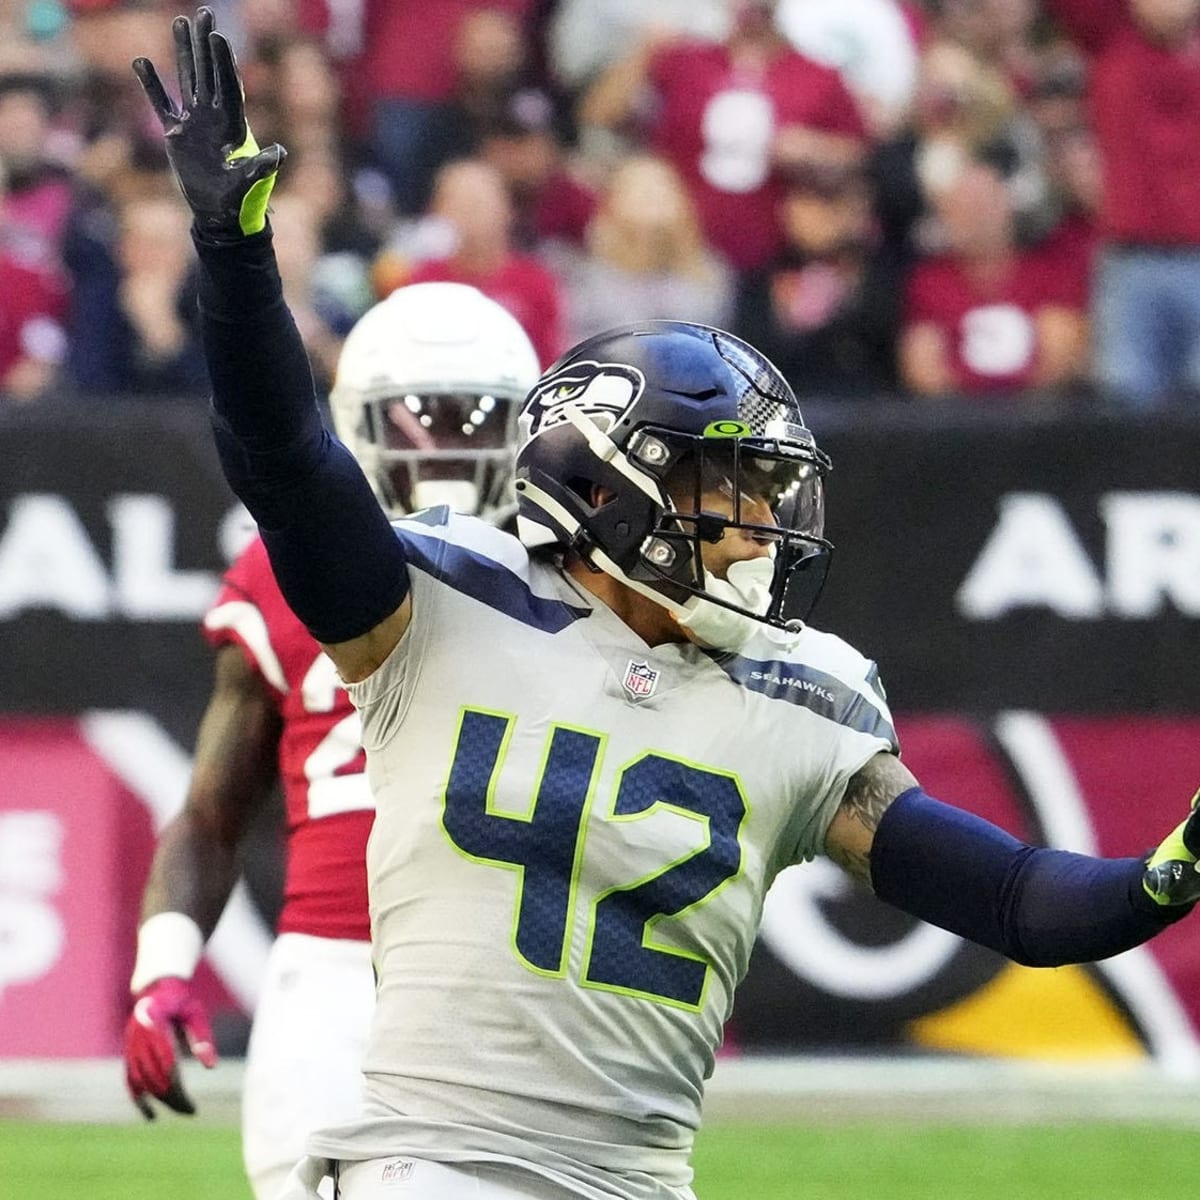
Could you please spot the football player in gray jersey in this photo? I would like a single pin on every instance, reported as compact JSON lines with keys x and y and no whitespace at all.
{"x":593,"y":747}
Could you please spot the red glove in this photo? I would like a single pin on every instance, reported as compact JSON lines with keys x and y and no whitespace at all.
{"x":164,"y":1013}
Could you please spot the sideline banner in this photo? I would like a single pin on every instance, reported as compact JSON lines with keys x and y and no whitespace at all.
{"x":1034,"y":559}
{"x":999,"y":567}
{"x":66,"y":916}
{"x":115,"y":523}
{"x":80,"y":802}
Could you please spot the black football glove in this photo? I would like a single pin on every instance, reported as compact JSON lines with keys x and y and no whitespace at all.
{"x":224,"y":176}
{"x":1172,"y":875}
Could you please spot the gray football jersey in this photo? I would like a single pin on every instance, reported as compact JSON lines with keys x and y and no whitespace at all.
{"x":574,"y":835}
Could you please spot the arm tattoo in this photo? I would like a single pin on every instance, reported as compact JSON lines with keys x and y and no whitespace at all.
{"x":867,"y":796}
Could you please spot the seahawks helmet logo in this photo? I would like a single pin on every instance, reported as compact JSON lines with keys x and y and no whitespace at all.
{"x":602,"y":391}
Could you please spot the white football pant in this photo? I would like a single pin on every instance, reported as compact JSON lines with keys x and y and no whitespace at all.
{"x":405,"y":1178}
{"x":304,"y":1061}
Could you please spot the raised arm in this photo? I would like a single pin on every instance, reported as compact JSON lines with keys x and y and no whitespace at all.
{"x":337,"y":560}
{"x":191,"y":877}
{"x":613,"y":99}
{"x":1037,"y":906}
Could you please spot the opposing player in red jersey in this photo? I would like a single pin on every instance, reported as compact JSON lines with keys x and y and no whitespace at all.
{"x":427,"y":391}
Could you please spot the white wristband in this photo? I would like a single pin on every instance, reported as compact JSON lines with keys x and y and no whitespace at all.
{"x":169,"y":943}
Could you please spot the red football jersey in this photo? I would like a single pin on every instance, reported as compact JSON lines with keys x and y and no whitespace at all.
{"x":34,"y":303}
{"x":717,"y":125}
{"x":992,"y":333}
{"x":321,"y":762}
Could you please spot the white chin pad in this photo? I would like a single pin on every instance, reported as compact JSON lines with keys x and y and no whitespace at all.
{"x":748,"y":585}
{"x":461,"y":495}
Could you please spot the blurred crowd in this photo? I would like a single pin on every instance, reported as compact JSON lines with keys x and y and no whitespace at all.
{"x":967,"y":199}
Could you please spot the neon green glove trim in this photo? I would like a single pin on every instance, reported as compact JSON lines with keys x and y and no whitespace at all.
{"x":248,"y":149}
{"x":1171,"y":849}
{"x":253,"y":214}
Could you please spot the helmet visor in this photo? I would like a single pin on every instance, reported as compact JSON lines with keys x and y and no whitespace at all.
{"x":444,"y":448}
{"x":743,"y":482}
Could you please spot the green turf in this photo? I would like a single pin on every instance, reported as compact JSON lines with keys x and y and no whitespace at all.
{"x":937,"y":1162}
{"x":176,"y":1161}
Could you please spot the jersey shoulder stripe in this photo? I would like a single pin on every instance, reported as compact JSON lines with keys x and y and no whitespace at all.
{"x":242,"y":621}
{"x":249,"y":612}
{"x":486,"y":564}
{"x":874,"y":682}
{"x":816,"y":690}
{"x":818,"y":671}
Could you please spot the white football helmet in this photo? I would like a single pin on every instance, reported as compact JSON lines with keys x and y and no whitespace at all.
{"x":428,"y":388}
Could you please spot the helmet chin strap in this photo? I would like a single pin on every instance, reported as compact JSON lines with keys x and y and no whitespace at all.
{"x":747,"y":584}
{"x":607,"y":451}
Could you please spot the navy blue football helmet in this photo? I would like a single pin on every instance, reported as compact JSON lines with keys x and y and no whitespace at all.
{"x":626,"y":426}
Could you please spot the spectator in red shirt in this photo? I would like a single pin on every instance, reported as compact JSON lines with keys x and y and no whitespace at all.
{"x":32,"y":341}
{"x":33,"y":302}
{"x":488,"y":58}
{"x":986,"y":318}
{"x":39,"y":189}
{"x":469,"y":197}
{"x":406,"y":69}
{"x":1070,"y":163}
{"x":1145,"y":106}
{"x":729,"y":117}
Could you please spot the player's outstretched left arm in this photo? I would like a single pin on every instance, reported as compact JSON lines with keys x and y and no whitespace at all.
{"x":336,"y":558}
{"x":1037,"y":906}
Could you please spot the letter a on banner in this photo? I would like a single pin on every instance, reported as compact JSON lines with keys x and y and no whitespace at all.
{"x":1033,"y":559}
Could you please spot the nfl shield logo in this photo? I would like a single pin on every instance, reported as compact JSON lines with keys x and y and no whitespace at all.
{"x":640,"y":679}
{"x":399,"y":1170}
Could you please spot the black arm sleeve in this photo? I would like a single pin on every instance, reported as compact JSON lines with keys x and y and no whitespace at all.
{"x":338,"y":562}
{"x":1039,"y":907}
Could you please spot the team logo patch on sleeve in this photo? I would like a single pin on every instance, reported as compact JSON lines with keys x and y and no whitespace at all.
{"x":640,"y":679}
{"x":602,"y":391}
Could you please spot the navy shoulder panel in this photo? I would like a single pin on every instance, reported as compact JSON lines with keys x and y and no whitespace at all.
{"x":485,"y":580}
{"x":811,"y":688}
{"x":435,"y":517}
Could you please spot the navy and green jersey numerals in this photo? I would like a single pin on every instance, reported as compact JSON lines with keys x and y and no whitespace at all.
{"x":546,"y":845}
{"x":543,"y":845}
{"x":622,"y":954}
